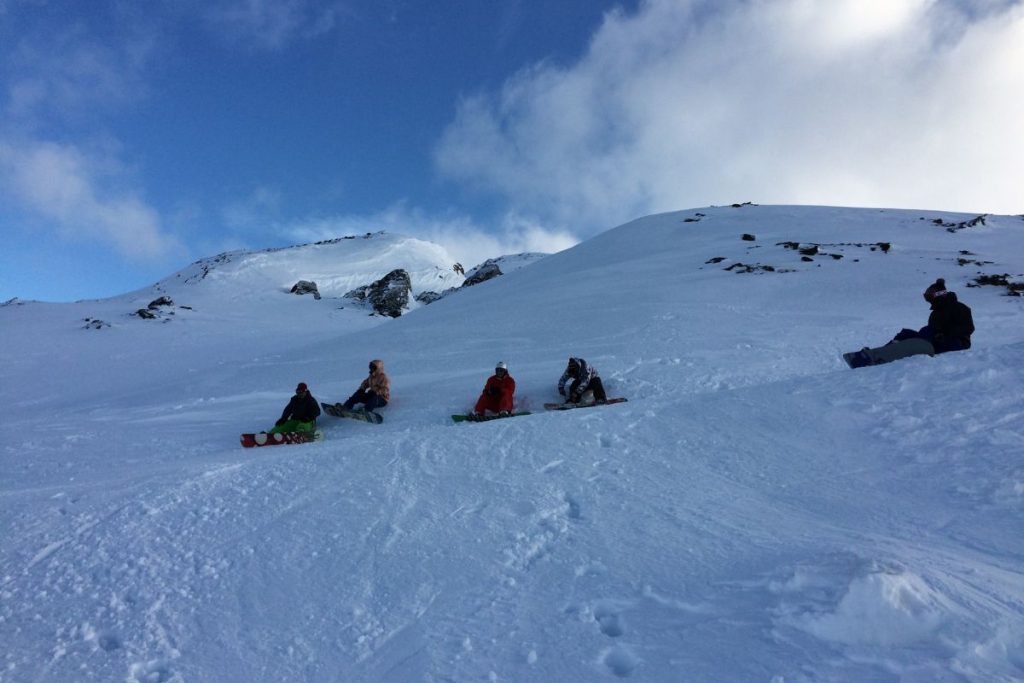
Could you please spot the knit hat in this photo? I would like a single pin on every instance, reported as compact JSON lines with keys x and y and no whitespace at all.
{"x":301,"y":388}
{"x":502,"y":365}
{"x":935,"y":290}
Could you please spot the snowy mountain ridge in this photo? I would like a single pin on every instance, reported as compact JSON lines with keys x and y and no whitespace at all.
{"x":337,"y":266}
{"x":755,"y":512}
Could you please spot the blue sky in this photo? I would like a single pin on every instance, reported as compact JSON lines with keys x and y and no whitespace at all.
{"x":138,"y":137}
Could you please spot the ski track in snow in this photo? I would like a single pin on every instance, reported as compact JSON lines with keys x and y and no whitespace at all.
{"x":783,"y":519}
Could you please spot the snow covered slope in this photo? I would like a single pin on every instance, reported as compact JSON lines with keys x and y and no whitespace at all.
{"x":756,"y":511}
{"x":337,"y":266}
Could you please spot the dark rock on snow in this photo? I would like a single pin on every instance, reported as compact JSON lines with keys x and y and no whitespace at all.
{"x":428,"y":297}
{"x":389,"y":295}
{"x":306,"y":287}
{"x":162,"y":301}
{"x":489,"y":270}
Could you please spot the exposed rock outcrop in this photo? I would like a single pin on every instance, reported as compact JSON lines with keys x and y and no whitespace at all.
{"x":306,"y":287}
{"x":389,"y":295}
{"x":429,"y":297}
{"x":488,"y":271}
{"x":155,"y":304}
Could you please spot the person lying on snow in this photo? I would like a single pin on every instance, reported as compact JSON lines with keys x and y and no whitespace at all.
{"x":300,"y":414}
{"x":497,"y":395}
{"x":374,"y":391}
{"x":586,"y":386}
{"x":950,"y":326}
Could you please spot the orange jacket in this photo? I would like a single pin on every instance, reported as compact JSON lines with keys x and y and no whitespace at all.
{"x":377,"y":382}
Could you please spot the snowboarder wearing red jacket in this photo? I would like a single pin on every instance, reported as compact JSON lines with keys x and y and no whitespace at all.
{"x":498,"y":393}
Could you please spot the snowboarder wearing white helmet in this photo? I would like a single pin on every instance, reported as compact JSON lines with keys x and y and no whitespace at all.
{"x":498,"y":393}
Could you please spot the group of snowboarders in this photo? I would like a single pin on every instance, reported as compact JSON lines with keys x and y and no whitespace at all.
{"x":579,"y":384}
{"x":950,"y":326}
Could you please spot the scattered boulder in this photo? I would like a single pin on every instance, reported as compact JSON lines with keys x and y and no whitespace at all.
{"x":715,"y":259}
{"x":389,"y":295}
{"x":428,"y":297}
{"x":747,"y":237}
{"x":306,"y":287}
{"x":996,"y":280}
{"x":162,"y":301}
{"x":957,"y":227}
{"x":747,"y":268}
{"x":94,"y":324}
{"x":488,"y":271}
{"x":158,"y":308}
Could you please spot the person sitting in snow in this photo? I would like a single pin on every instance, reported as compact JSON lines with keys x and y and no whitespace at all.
{"x":586,"y":386}
{"x":950,"y":326}
{"x":374,"y":391}
{"x":497,"y":395}
{"x":300,"y":414}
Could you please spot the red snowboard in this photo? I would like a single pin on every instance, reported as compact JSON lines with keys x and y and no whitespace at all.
{"x":573,"y":406}
{"x":265,"y":439}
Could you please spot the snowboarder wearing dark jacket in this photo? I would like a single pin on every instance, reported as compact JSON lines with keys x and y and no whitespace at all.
{"x":300,"y":414}
{"x":585,"y":387}
{"x":498,"y":393}
{"x":950,"y":326}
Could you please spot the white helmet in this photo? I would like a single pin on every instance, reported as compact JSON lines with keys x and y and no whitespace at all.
{"x":502,"y":365}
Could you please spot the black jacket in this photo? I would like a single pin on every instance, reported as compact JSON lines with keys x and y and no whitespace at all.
{"x":301,"y":408}
{"x":950,"y":322}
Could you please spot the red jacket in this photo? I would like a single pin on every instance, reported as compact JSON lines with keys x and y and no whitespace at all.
{"x":497,"y":395}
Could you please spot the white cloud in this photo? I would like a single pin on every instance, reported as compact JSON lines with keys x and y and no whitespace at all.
{"x":79,"y":196}
{"x":254,"y":213}
{"x":272,"y":24}
{"x":70,"y":73}
{"x":467,"y":242}
{"x":909,"y":103}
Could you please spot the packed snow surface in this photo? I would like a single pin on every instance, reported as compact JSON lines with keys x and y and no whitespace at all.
{"x":756,"y":511}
